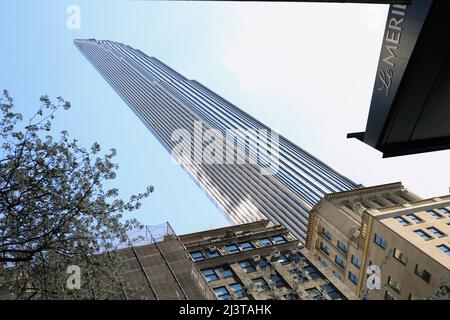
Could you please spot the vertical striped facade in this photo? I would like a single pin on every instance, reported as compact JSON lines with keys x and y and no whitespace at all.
{"x":166,"y":101}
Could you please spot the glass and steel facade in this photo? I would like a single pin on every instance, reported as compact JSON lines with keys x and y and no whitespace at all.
{"x":166,"y":101}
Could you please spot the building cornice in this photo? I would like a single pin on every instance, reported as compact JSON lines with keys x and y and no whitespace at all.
{"x":410,"y":205}
{"x":351,"y":193}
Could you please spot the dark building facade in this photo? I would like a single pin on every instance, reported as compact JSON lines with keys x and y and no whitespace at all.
{"x":268,"y":177}
{"x":261,"y":261}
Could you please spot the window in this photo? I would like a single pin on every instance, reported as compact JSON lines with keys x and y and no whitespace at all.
{"x":402,"y":221}
{"x":327,"y":234}
{"x":324,"y":248}
{"x":380,"y":241}
{"x":423,"y":274}
{"x":295,"y":257}
{"x":262,"y":263}
{"x":209,"y":274}
{"x":260,"y":284}
{"x":247,"y":266}
{"x":332,"y":292}
{"x":298,"y":276}
{"x":232,"y":248}
{"x":445,"y":211}
{"x":246,"y":246}
{"x":314,"y":294}
{"x":278,"y":239}
{"x":444,"y":249}
{"x":423,"y":235}
{"x":238,"y":290}
{"x":323,"y":261}
{"x":353,"y":277}
{"x":394,"y":285}
{"x":337,"y":275}
{"x":400,"y":256}
{"x":356,"y":262}
{"x":222,"y":293}
{"x":282,"y":259}
{"x":225,"y":272}
{"x":414,"y":218}
{"x":434,"y":214}
{"x":340,"y":262}
{"x":436,"y":232}
{"x":342,"y":246}
{"x":265,"y":242}
{"x":312,"y":272}
{"x":197,"y":256}
{"x":277,"y":280}
{"x":213,"y":254}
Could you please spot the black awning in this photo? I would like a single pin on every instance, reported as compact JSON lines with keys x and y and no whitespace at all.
{"x":410,"y":107}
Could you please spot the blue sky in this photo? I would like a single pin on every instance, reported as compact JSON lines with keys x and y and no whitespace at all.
{"x":306,"y":70}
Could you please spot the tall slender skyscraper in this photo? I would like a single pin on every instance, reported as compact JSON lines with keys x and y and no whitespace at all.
{"x":267,"y":177}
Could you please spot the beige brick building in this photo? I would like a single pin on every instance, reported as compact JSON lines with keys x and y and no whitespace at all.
{"x":389,"y":227}
{"x":260,"y":261}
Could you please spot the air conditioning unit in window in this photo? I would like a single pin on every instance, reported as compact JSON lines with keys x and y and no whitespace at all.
{"x":354,"y":232}
{"x":256,"y":257}
{"x":276,"y":253}
{"x":212,"y":248}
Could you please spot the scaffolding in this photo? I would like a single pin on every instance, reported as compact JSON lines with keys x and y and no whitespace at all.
{"x":157,"y":266}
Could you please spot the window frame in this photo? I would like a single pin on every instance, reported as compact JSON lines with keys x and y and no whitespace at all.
{"x":340,"y":264}
{"x":250,"y":266}
{"x":415,"y":219}
{"x":227,"y":293}
{"x":438,"y":233}
{"x":344,"y":249}
{"x":422,"y":273}
{"x":435,"y":214}
{"x":446,"y":251}
{"x":402,"y":221}
{"x":197,"y":259}
{"x":237,"y":292}
{"x":356,"y":261}
{"x":265,"y":245}
{"x":445,"y":211}
{"x":225,"y":271}
{"x":353,"y":278}
{"x":324,"y":248}
{"x":256,"y":283}
{"x":212,"y":274}
{"x":218,"y":254}
{"x":394,"y":285}
{"x":250,"y":246}
{"x":233,"y":245}
{"x":382,"y":243}
{"x":275,"y":241}
{"x":425,"y":236}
